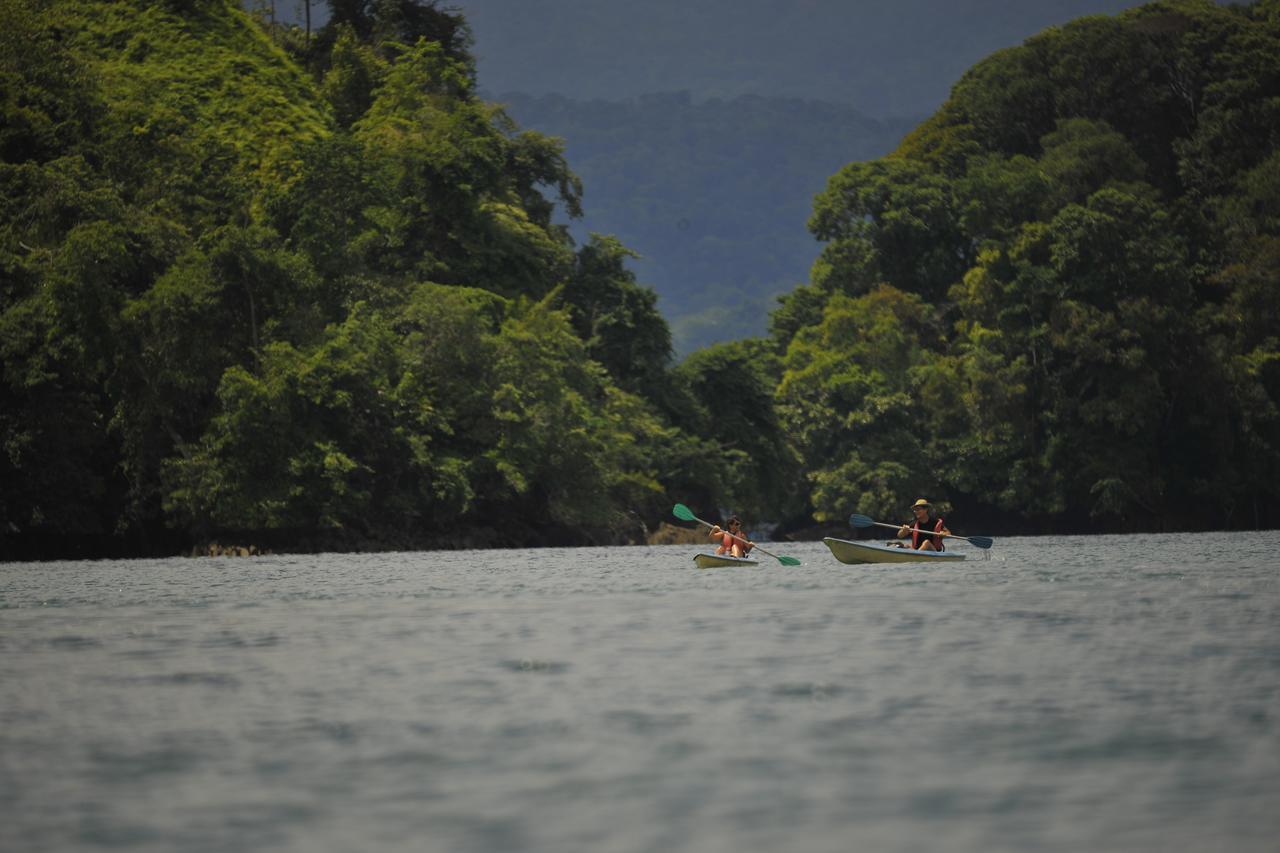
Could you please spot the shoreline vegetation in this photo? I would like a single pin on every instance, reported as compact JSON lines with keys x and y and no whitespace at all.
{"x":309,"y":291}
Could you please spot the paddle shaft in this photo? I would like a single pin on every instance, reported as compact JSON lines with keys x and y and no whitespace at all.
{"x":739,"y":538}
{"x":683,"y":513}
{"x":923,"y":532}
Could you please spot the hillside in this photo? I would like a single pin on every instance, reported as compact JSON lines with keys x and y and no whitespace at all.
{"x":307,"y":295}
{"x":712,"y":195}
{"x":1056,"y":301}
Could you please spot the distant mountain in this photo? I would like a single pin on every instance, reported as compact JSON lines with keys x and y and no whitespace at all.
{"x":713,"y":194}
{"x":712,"y":182}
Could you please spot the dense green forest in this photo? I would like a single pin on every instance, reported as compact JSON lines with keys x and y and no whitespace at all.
{"x":314,"y":292}
{"x":309,"y":293}
{"x":1059,"y":299}
{"x":712,"y":195}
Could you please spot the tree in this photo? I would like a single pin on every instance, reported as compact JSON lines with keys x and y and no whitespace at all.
{"x":732,"y":384}
{"x":452,"y":183}
{"x":890,"y":221}
{"x":618,"y":319}
{"x":1073,"y":215}
{"x":848,"y":400}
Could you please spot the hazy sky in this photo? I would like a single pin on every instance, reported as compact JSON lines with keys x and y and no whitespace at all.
{"x":885,"y":57}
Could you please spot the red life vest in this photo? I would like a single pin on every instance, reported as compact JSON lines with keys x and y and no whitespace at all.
{"x":919,"y":535}
{"x":727,"y":542}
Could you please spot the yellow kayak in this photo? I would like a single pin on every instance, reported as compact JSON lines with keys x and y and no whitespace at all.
{"x":713,"y":561}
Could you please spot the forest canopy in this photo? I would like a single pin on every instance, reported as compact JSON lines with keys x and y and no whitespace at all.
{"x":308,"y":289}
{"x":1058,"y":301}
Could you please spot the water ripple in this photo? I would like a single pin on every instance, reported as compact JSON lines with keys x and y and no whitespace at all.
{"x":1072,"y":693}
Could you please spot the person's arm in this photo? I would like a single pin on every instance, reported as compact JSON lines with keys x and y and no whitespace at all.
{"x":904,"y":532}
{"x":716,"y":532}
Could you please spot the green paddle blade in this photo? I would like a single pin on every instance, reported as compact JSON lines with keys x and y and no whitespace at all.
{"x":682,"y":512}
{"x":982,"y":541}
{"x":788,"y":561}
{"x":856,"y":520}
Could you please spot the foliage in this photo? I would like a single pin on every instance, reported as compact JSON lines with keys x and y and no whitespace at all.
{"x":327,"y":304}
{"x":730,"y":389}
{"x":324,"y":293}
{"x":618,"y":318}
{"x":1088,"y":223}
{"x":846,"y":399}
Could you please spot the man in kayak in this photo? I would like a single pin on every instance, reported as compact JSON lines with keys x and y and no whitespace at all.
{"x":926,"y":523}
{"x":739,"y":547}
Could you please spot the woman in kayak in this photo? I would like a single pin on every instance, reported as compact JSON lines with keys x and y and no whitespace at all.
{"x":738,"y":547}
{"x":926,"y":523}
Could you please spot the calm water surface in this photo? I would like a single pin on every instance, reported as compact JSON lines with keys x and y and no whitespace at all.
{"x":1069,"y":694}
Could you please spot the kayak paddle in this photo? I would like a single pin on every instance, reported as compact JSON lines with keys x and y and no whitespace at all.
{"x":856,"y":520}
{"x":683,"y":513}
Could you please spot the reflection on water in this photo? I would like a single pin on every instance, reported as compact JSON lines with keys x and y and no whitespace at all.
{"x":1088,"y":693}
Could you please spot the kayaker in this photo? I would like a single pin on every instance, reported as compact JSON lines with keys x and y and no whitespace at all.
{"x":728,"y":544}
{"x":927,"y":522}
